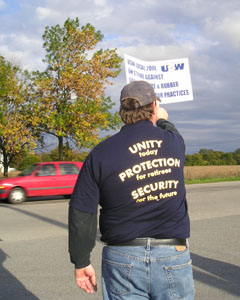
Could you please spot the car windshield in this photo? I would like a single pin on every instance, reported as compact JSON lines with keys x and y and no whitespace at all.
{"x":28,"y":171}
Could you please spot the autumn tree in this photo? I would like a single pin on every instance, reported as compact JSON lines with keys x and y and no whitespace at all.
{"x":16,"y":136}
{"x":70,"y":102}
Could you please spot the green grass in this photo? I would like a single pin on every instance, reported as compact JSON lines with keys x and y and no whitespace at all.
{"x":212,"y":180}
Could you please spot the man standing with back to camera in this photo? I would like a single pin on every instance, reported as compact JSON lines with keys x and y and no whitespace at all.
{"x":136,"y":176}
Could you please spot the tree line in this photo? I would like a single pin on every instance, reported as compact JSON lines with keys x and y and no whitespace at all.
{"x":204,"y":157}
{"x":66,"y":101}
{"x":208,"y":157}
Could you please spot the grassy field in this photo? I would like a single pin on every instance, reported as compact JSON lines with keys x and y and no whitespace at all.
{"x":201,"y":174}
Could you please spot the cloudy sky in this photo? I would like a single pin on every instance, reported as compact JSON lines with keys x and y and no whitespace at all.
{"x":206,"y":32}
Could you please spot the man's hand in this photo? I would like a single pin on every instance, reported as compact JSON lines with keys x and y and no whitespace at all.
{"x":86,"y":279}
{"x":158,"y":113}
{"x":161,"y":113}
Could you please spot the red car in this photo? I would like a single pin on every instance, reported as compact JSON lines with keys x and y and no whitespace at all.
{"x":41,"y":179}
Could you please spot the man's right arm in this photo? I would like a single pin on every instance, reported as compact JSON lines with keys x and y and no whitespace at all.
{"x":82,"y":234}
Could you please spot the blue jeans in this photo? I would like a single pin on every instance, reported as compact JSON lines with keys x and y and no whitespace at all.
{"x":151,"y":272}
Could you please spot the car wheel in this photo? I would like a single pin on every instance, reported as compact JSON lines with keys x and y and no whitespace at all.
{"x":16,"y":196}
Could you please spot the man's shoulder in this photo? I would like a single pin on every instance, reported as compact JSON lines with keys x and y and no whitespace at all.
{"x":106,"y":143}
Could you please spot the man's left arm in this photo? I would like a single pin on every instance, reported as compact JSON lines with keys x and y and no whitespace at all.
{"x":166,"y":125}
{"x":162,"y":122}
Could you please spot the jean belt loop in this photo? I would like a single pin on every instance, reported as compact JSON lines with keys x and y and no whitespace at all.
{"x":148,"y":243}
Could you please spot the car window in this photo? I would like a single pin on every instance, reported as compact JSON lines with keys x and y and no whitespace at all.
{"x":68,"y":169}
{"x":28,"y":171}
{"x":46,"y":170}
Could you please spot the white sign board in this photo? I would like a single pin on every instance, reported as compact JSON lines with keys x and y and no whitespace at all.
{"x":170,"y":79}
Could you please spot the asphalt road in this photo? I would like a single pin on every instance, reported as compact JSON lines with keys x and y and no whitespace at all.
{"x":34,"y":261}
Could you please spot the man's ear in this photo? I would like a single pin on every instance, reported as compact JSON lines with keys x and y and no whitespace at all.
{"x":153,"y":118}
{"x":154,"y":105}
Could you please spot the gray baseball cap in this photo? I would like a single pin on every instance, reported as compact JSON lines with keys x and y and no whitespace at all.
{"x":141,"y":91}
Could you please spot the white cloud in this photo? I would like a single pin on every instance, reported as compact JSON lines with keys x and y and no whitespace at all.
{"x":226,"y":29}
{"x":24,"y":51}
{"x":12,"y":56}
{"x":2,"y":4}
{"x":102,"y":13}
{"x":158,"y":52}
{"x":43,"y":13}
{"x":200,"y":122}
{"x":100,"y":2}
{"x":89,"y":11}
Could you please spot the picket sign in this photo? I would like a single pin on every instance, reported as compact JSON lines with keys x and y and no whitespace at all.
{"x":170,"y":79}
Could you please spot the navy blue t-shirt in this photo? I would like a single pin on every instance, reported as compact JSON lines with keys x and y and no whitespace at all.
{"x":136,"y":176}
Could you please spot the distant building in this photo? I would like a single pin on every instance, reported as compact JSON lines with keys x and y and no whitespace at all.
{"x":1,"y":164}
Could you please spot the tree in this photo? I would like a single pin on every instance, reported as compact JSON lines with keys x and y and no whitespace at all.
{"x":197,"y":160}
{"x":211,"y":157}
{"x":228,"y":159}
{"x":28,"y":160}
{"x":236,"y":155}
{"x":69,"y":100}
{"x":15,"y":134}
